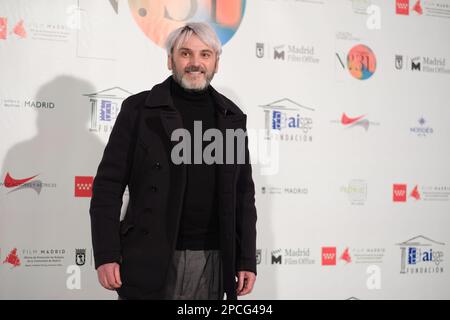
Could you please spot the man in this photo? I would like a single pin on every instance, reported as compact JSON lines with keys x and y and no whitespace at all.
{"x":190,"y":228}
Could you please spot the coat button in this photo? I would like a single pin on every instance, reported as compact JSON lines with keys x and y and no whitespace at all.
{"x":157,"y":166}
{"x":153,"y":189}
{"x":145,"y":232}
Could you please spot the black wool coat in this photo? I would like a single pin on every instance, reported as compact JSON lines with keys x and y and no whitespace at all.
{"x":137,"y":155}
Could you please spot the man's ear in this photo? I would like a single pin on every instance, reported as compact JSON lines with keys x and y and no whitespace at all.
{"x":169,"y":62}
{"x":217,"y":66}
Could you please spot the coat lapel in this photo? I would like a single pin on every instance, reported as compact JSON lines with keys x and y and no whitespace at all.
{"x":160,"y":98}
{"x":171,"y":120}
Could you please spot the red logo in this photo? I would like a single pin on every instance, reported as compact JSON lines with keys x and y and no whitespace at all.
{"x":402,"y":7}
{"x":415,"y":193}
{"x":399,"y":193}
{"x":11,"y":182}
{"x":83,"y":186}
{"x":3,"y":28}
{"x":19,"y":29}
{"x":328,"y":256}
{"x":13,"y":258}
{"x":346,"y":256}
{"x":345,"y":120}
{"x":418,"y":8}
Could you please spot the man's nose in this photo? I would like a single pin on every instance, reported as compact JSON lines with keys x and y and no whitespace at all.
{"x":194,"y":61}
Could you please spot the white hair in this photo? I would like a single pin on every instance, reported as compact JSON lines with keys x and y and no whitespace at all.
{"x":203,"y":30}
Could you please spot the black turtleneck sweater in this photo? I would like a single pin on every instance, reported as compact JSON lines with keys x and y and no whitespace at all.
{"x":199,"y":226}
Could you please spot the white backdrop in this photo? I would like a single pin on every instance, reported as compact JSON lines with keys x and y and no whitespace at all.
{"x":357,"y":205}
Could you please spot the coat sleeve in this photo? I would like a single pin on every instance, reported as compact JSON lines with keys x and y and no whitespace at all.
{"x":108,"y":188}
{"x":246,"y":217}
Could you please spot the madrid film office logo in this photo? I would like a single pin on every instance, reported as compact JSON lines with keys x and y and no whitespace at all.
{"x":105,"y":107}
{"x":290,"y":53}
{"x":421,"y":255}
{"x":419,"y":64}
{"x":287,"y":120}
{"x":277,"y":257}
{"x":292,"y":256}
{"x":415,"y":64}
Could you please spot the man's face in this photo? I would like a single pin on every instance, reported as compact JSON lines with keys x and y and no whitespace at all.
{"x":193,"y":64}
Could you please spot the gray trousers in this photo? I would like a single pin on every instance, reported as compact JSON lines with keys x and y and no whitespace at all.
{"x":195,"y":275}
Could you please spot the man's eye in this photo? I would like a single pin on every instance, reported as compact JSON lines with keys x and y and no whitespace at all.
{"x":206,"y":55}
{"x":185,"y":54}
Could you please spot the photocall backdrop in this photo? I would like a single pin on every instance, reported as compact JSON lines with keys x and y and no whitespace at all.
{"x":351,"y":169}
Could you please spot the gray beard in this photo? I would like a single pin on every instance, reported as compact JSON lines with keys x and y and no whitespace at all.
{"x":185,"y":84}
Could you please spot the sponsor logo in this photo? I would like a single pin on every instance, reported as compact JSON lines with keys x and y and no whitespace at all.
{"x":35,"y":30}
{"x":423,"y":130}
{"x":360,"y":61}
{"x":258,"y":256}
{"x":80,"y":257}
{"x":328,"y":256}
{"x":292,"y":256}
{"x":25,"y":183}
{"x":353,"y":58}
{"x":277,"y":257}
{"x":372,"y":255}
{"x":420,"y":64}
{"x":287,"y":120}
{"x":415,"y":193}
{"x":158,"y":18}
{"x":421,"y":192}
{"x":402,"y":7}
{"x":305,"y":54}
{"x":345,"y":256}
{"x":260,"y":50}
{"x":421,"y":255}
{"x":105,"y":106}
{"x":399,"y":193}
{"x":83,"y":186}
{"x":358,"y":121}
{"x":269,"y":190}
{"x":418,"y":7}
{"x":28,"y":104}
{"x":18,"y":30}
{"x":356,"y":191}
{"x":36,"y":258}
{"x":12,"y":258}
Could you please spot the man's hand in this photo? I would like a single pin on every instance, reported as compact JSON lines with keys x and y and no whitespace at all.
{"x":109,"y":275}
{"x":245,"y":282}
